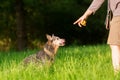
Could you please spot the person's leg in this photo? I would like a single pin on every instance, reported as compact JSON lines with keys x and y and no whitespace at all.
{"x":115,"y":49}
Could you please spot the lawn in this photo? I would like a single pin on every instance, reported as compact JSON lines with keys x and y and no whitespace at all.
{"x":88,"y":62}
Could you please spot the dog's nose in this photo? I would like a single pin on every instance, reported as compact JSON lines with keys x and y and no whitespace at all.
{"x":63,"y":41}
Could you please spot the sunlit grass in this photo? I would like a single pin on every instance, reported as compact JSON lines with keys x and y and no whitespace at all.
{"x":71,"y":63}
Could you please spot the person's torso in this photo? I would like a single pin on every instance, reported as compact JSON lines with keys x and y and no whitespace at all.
{"x":115,"y":7}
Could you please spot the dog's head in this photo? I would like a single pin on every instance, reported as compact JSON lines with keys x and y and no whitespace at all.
{"x":55,"y":40}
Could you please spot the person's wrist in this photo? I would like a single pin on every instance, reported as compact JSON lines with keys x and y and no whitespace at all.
{"x":85,"y":16}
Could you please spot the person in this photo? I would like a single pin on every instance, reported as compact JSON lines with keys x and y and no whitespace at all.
{"x":114,"y":29}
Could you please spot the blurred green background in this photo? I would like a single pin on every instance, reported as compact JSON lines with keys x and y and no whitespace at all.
{"x":24,"y":23}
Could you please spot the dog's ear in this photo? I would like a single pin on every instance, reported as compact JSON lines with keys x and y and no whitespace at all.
{"x":52,"y":35}
{"x":48,"y":37}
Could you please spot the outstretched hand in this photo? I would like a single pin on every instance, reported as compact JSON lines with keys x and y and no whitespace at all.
{"x":81,"y":21}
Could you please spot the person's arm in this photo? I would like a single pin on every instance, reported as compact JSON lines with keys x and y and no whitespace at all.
{"x":95,"y":5}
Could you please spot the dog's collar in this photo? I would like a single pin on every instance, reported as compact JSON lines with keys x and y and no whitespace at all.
{"x":48,"y":53}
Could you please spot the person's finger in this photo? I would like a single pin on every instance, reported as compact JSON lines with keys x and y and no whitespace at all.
{"x":76,"y":21}
{"x":79,"y":24}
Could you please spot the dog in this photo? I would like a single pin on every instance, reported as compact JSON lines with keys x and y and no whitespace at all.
{"x":47,"y":54}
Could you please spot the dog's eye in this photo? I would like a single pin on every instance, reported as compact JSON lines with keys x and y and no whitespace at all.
{"x":57,"y":38}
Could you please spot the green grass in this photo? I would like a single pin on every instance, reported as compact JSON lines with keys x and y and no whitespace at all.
{"x":71,"y":63}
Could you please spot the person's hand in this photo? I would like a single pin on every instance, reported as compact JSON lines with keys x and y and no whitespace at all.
{"x":81,"y":21}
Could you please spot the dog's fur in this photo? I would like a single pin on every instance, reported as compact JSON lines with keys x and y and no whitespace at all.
{"x":47,"y":54}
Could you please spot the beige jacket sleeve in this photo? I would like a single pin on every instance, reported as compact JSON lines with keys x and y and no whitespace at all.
{"x":95,"y":5}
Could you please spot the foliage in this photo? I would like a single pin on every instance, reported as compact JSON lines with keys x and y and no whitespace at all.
{"x":71,"y":63}
{"x":53,"y":17}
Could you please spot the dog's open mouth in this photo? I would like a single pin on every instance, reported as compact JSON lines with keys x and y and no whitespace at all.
{"x":62,"y":42}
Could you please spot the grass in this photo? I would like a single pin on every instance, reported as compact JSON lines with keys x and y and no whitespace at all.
{"x":71,"y":63}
